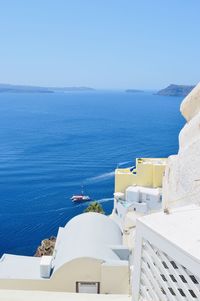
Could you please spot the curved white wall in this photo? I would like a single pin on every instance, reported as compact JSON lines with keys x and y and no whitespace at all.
{"x":88,"y":235}
{"x":191,"y":104}
{"x":181,"y":184}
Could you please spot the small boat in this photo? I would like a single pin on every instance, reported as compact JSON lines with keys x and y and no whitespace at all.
{"x":80,"y":198}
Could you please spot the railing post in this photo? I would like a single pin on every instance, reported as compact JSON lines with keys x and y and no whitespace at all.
{"x":137,"y":263}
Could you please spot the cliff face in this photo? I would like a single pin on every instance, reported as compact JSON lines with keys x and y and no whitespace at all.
{"x":181,"y":183}
{"x":46,"y":247}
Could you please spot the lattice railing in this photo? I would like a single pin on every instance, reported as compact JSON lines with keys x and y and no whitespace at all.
{"x":164,"y":279}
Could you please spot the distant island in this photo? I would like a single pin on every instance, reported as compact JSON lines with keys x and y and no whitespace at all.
{"x":133,"y":91}
{"x":176,"y":90}
{"x":34,"y":89}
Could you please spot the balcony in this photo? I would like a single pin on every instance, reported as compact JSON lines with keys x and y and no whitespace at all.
{"x":166,"y":256}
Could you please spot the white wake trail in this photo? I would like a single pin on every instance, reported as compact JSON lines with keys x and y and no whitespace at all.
{"x":100,"y":178}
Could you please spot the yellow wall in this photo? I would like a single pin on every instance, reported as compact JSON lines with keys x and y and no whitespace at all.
{"x":65,"y":278}
{"x":147,"y":174}
{"x":123,"y":180}
{"x":115,"y":279}
{"x":83,"y":269}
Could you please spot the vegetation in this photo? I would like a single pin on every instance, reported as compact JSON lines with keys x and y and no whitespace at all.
{"x":95,"y":207}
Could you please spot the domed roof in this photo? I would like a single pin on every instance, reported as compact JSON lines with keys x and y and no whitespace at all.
{"x":90,"y":235}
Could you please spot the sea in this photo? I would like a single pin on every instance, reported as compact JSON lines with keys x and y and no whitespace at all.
{"x":53,"y":144}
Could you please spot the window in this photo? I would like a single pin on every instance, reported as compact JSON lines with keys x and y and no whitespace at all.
{"x":88,"y":287}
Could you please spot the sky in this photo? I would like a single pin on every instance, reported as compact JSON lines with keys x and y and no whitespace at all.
{"x":105,"y":44}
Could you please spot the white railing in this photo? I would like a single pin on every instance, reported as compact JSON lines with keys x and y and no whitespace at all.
{"x":163,"y":272}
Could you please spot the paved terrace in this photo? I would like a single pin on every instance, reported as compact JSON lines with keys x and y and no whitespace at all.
{"x":17,"y":295}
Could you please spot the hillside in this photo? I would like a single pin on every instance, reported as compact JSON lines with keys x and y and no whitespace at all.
{"x":175,"y":90}
{"x":34,"y":89}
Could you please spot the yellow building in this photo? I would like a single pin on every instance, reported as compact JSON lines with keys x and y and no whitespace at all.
{"x":148,"y":173}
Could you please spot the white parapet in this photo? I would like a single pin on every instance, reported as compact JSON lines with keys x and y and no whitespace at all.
{"x":46,"y":266}
{"x":166,"y":257}
{"x":132,"y":194}
{"x":119,"y":196}
{"x":139,"y":207}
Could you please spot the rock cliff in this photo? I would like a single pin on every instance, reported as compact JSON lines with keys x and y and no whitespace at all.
{"x":46,"y":247}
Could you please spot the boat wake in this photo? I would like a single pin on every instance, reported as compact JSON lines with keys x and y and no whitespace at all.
{"x":105,"y":176}
{"x":61,"y":210}
{"x":106,"y":200}
{"x":124,"y":163}
{"x":100,"y":178}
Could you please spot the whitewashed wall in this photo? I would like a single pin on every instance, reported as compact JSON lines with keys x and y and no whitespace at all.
{"x":181,"y":183}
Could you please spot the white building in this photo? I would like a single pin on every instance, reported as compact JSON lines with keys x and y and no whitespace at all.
{"x":89,"y":258}
{"x":167,"y":245}
{"x":136,"y":201}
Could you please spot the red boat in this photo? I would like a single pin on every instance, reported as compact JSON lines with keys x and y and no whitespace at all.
{"x":80,"y":198}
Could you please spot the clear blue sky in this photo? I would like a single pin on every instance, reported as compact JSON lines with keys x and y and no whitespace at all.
{"x":100,"y":43}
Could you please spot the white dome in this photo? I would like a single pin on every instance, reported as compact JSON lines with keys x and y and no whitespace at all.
{"x":88,"y":235}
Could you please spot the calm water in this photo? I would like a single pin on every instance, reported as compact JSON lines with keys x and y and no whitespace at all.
{"x":51,"y":144}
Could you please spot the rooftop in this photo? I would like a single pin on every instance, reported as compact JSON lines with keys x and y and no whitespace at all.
{"x":89,"y":235}
{"x":19,"y":267}
{"x":180,"y":227}
{"x":151,"y":161}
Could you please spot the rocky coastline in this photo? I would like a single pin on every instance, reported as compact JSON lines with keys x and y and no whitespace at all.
{"x":46,"y":247}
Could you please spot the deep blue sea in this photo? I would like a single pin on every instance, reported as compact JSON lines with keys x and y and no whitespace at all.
{"x":51,"y":144}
